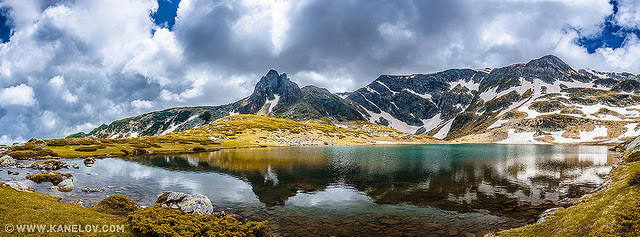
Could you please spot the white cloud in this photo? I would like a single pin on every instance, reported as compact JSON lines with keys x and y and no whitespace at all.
{"x":142,"y":104}
{"x":628,"y":13}
{"x":20,"y":95}
{"x":57,"y":85}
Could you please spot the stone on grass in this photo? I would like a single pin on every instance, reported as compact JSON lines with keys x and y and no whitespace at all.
{"x":188,"y":203}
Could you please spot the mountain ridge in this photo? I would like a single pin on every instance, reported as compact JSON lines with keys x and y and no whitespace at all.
{"x":450,"y":104}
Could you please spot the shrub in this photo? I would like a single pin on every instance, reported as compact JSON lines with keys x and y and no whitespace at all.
{"x":633,"y":157}
{"x":117,"y":204}
{"x":635,"y":179}
{"x":86,"y":149}
{"x":23,"y":155}
{"x":58,"y":142}
{"x":199,"y":149}
{"x":169,"y":222}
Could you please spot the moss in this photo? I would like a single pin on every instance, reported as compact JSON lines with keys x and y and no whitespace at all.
{"x":626,"y":222}
{"x":633,"y":157}
{"x":53,"y":177}
{"x":19,"y":208}
{"x":168,"y":222}
{"x":86,"y":149}
{"x":117,"y":204}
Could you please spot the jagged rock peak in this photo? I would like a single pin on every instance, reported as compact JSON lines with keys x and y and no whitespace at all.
{"x":273,"y":83}
{"x":550,"y":62}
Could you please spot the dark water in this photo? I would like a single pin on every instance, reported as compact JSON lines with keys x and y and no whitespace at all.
{"x":419,"y":190}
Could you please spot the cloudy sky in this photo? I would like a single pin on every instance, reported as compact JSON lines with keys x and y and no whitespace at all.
{"x":71,"y":65}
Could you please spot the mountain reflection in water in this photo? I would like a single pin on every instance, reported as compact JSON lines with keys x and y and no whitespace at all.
{"x":450,"y":177}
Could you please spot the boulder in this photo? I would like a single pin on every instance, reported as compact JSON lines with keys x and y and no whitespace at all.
{"x":89,"y":161}
{"x":19,"y":186}
{"x":66,"y":185}
{"x":197,"y":203}
{"x":6,"y":161}
{"x":49,"y":165}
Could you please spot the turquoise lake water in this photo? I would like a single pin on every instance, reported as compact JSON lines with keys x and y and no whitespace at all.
{"x":397,"y":190}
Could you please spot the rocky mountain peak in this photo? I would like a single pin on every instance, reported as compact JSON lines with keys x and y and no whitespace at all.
{"x":549,"y":62}
{"x":273,"y":91}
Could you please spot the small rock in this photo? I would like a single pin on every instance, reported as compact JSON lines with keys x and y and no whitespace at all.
{"x":390,"y":221}
{"x":78,"y":202}
{"x":91,"y":174}
{"x":19,"y":186}
{"x":432,"y":226}
{"x":66,"y":185}
{"x":89,"y":161}
{"x":75,"y":166}
{"x":274,"y":226}
{"x":484,"y":211}
{"x":452,"y":231}
{"x":468,"y":234}
{"x":92,"y":190}
{"x":7,"y":161}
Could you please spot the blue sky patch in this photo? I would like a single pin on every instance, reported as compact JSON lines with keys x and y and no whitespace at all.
{"x":5,"y":25}
{"x":612,"y":35}
{"x":165,"y":16}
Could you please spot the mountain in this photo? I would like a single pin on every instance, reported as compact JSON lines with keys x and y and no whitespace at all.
{"x":274,"y":95}
{"x":542,"y":101}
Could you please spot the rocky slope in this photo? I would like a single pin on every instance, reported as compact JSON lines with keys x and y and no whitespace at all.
{"x":542,"y":101}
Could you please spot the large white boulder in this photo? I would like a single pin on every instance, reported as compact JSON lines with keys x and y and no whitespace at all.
{"x":188,"y":203}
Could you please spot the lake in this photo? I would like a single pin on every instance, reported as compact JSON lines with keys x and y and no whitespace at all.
{"x":399,"y":190}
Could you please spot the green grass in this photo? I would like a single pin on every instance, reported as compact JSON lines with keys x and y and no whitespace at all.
{"x":18,"y":208}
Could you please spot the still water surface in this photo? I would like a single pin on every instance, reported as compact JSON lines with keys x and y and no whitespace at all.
{"x":419,"y":190}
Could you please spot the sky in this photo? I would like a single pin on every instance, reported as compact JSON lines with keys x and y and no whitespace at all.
{"x":70,"y":65}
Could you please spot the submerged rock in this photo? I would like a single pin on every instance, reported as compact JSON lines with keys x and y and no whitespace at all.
{"x":7,"y":161}
{"x":19,"y":186}
{"x":197,"y":203}
{"x":92,"y":190}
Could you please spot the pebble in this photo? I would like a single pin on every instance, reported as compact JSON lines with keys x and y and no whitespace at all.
{"x":390,"y":221}
{"x":468,"y":234}
{"x":452,"y":231}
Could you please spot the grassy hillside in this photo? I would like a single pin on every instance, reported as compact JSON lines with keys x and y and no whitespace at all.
{"x":228,"y":132}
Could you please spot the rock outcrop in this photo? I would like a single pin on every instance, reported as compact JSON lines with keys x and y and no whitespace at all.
{"x":19,"y":186}
{"x":188,"y":203}
{"x":7,"y":161}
